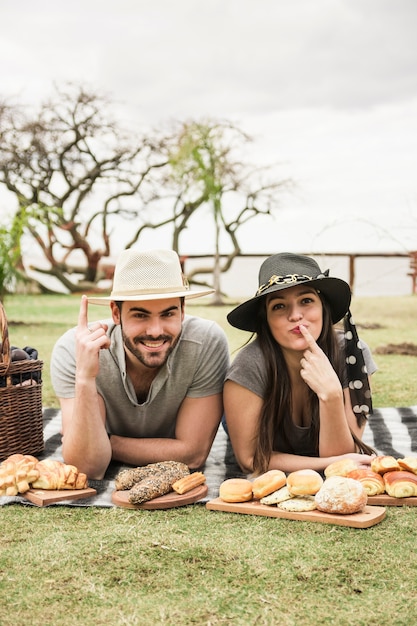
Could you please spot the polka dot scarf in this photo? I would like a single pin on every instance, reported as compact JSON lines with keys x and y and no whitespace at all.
{"x":360,"y":392}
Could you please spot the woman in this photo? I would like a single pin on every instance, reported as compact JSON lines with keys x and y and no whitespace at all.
{"x":297,"y":396}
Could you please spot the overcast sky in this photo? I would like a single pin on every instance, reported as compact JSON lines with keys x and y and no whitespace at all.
{"x":327,"y":89}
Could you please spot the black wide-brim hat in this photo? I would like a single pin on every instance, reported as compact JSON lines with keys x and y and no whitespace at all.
{"x":285,"y":270}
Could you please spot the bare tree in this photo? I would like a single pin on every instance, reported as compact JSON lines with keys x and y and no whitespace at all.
{"x":77,"y":176}
{"x":207,"y":165}
{"x":74,"y":173}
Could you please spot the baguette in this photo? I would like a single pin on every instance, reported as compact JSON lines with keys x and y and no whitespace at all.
{"x":158,"y":484}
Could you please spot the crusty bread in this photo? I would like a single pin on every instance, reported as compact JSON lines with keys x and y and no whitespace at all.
{"x":304,"y":482}
{"x":267,"y":483}
{"x":236,"y":490}
{"x":401,"y":484}
{"x":372,"y":482}
{"x":340,"y":494}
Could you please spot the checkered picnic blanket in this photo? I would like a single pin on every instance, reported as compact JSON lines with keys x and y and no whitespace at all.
{"x":389,"y":430}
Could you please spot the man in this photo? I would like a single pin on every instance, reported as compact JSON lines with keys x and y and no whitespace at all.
{"x":146,"y":385}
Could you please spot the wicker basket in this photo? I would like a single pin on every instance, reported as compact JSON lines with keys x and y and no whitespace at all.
{"x":21,"y":421}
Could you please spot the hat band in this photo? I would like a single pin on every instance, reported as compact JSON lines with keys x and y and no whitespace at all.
{"x":278,"y":280}
{"x":132,"y":292}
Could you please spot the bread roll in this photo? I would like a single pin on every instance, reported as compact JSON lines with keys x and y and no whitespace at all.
{"x":304,"y":482}
{"x":342,"y":495}
{"x":408,"y":463}
{"x":382,"y":464}
{"x":267,"y":483}
{"x":401,"y":484}
{"x":236,"y":490}
{"x":372,"y":482}
{"x":342,"y":467}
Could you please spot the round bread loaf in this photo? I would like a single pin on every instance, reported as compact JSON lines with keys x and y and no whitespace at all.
{"x":236,"y":490}
{"x":268,"y":482}
{"x":304,"y":482}
{"x":340,"y":494}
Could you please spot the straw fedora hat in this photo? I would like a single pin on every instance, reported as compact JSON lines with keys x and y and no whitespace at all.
{"x":285,"y":270}
{"x":150,"y":275}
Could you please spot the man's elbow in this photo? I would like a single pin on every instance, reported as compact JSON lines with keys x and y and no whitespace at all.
{"x":197,"y":459}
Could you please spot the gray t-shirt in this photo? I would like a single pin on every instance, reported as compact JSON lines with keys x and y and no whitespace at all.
{"x":249,"y":370}
{"x":196,"y":368}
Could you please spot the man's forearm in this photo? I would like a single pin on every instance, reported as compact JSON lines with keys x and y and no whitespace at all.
{"x":85,"y":442}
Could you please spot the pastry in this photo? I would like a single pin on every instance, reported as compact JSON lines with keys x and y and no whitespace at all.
{"x":57,"y":475}
{"x":340,"y":494}
{"x":342,"y":467}
{"x":408,"y":463}
{"x":382,"y":464}
{"x":17,"y":472}
{"x":236,"y":490}
{"x":184,"y":485}
{"x":372,"y":482}
{"x":267,"y":483}
{"x":305,"y":482}
{"x":401,"y":484}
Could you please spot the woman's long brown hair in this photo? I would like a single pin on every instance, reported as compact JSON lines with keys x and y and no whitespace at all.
{"x":277,"y":406}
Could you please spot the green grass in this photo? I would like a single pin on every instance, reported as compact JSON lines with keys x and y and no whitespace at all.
{"x":189,"y":566}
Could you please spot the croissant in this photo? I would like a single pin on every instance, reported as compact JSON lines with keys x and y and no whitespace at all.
{"x":16,"y":474}
{"x":382,"y":464}
{"x":409,"y":463}
{"x":401,"y":484}
{"x":372,"y":482}
{"x":57,"y":475}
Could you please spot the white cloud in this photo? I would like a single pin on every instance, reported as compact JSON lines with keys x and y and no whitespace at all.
{"x":327,"y":88}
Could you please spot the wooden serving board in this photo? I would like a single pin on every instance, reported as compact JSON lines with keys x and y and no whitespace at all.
{"x":168,"y":501}
{"x":369,"y":516}
{"x":43,"y":497}
{"x":385,"y":500}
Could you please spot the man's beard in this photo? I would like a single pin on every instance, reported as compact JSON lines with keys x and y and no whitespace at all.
{"x":150,"y":359}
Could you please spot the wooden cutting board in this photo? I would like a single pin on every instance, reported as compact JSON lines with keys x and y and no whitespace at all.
{"x":168,"y":501}
{"x":369,"y":516}
{"x":43,"y":497}
{"x":385,"y":500}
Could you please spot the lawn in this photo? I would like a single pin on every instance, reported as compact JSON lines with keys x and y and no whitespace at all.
{"x":189,"y":566}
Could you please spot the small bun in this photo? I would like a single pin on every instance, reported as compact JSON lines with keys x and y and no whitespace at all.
{"x":340,"y":494}
{"x":342,"y":467}
{"x":236,"y":490}
{"x":267,"y":483}
{"x":305,"y":482}
{"x":386,"y":463}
